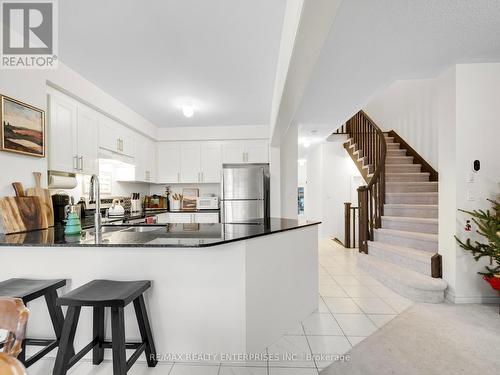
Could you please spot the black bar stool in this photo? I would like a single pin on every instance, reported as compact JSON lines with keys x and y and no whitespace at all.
{"x":28,"y":290}
{"x":101,"y":294}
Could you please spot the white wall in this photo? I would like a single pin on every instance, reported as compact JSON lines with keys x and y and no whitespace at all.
{"x":477,"y":137}
{"x":212,"y":133}
{"x":30,"y":86}
{"x":288,"y":171}
{"x":329,"y":185}
{"x":409,"y":107}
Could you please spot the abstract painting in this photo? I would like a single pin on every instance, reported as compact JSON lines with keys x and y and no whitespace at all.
{"x":23,"y":128}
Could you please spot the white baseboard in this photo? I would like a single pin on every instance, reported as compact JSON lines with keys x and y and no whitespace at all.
{"x":451,"y":297}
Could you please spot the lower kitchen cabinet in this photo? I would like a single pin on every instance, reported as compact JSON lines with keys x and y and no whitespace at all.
{"x":188,"y":218}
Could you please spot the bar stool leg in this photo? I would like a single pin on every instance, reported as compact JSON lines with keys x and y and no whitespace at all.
{"x":98,"y":331}
{"x":56,"y":316}
{"x":118,"y":341}
{"x":145,"y":329}
{"x":67,"y":340}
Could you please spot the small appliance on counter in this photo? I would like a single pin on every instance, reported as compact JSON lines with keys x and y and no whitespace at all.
{"x":155,"y":202}
{"x":116,"y":209}
{"x":60,"y":202}
{"x":207,"y":203}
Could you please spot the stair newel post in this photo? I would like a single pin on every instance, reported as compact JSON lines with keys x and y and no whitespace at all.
{"x":347,"y":224}
{"x":363,"y":219}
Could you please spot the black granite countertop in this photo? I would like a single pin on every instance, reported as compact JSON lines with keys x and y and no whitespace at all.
{"x":154,"y":235}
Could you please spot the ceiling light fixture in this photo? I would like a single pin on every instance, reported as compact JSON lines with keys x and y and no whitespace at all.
{"x":188,"y":111}
{"x":306,"y":144}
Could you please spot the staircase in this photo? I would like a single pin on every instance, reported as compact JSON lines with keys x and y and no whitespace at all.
{"x":402,"y":248}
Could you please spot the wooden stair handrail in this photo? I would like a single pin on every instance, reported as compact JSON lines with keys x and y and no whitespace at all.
{"x":370,"y":141}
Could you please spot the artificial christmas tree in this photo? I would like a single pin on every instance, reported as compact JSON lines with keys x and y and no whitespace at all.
{"x":488,"y":224}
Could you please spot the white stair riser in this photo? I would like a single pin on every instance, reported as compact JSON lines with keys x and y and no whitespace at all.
{"x":418,"y":295}
{"x":399,"y":152}
{"x":402,"y":261}
{"x":412,"y":199}
{"x":406,"y":177}
{"x":414,"y":243}
{"x":389,"y":139}
{"x":411,"y":212}
{"x":399,"y":160}
{"x":408,"y":226}
{"x":411,"y":188}
{"x":406,"y":168}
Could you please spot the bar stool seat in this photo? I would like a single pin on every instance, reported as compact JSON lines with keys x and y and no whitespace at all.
{"x":100,"y":294}
{"x":29,"y":290}
{"x":106,"y":293}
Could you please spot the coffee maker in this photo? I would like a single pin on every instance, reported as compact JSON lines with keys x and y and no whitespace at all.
{"x":60,"y":202}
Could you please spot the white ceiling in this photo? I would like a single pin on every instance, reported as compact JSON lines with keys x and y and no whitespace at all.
{"x":373,"y":43}
{"x":155,"y":56}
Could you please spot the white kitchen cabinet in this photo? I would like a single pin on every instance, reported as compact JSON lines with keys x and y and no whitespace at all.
{"x":62,"y":134}
{"x":206,"y":217}
{"x":188,"y":218}
{"x":233,"y":152}
{"x":190,"y":159}
{"x":189,"y":162}
{"x":87,"y":141}
{"x":168,"y":162}
{"x":115,"y":137}
{"x":252,"y":151}
{"x":257,"y":151}
{"x":145,"y":159}
{"x":211,"y":162}
{"x":73,"y":136}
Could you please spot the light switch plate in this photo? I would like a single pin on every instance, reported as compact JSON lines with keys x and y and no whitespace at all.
{"x":471,"y":195}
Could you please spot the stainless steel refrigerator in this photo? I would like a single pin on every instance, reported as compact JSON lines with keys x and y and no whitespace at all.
{"x":245,"y":193}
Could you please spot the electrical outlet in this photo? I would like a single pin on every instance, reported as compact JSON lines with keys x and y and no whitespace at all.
{"x":471,"y":195}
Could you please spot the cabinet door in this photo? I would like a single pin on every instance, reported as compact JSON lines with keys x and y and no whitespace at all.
{"x":108,"y":135}
{"x":232,"y":152}
{"x":257,"y":151}
{"x":126,"y":141}
{"x":87,"y":141}
{"x":168,"y":157}
{"x":63,"y":133}
{"x":206,"y":218}
{"x":190,"y":162}
{"x":211,"y":162}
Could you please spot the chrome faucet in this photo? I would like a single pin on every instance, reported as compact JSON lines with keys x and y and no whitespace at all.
{"x":95,"y":195}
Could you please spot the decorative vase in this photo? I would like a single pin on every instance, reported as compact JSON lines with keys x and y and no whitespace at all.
{"x":494,"y":281}
{"x":73,"y":225}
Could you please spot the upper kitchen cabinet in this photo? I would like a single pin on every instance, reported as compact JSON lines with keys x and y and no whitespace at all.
{"x":72,"y":135}
{"x":115,"y":137}
{"x":189,"y":162}
{"x":145,"y":159}
{"x":251,"y":151}
{"x":211,"y":162}
{"x":168,"y":162}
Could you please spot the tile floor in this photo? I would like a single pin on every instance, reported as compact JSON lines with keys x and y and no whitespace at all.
{"x":352,"y":306}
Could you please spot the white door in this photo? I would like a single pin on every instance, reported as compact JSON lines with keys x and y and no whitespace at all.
{"x":211,"y":162}
{"x":190,"y":162}
{"x":168,"y":162}
{"x":257,"y":151}
{"x":232,"y":152}
{"x":87,"y":141}
{"x":63,"y":133}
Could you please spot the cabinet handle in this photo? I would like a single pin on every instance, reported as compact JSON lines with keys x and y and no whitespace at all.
{"x":121,"y":145}
{"x":202,"y":177}
{"x":75,"y":162}
{"x":178,"y":177}
{"x":81,"y":162}
{"x":118,"y":144}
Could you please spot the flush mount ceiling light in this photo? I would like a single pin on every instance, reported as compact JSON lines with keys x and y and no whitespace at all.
{"x":188,"y":110}
{"x":306,"y":143}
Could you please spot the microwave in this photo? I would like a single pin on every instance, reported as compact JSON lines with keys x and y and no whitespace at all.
{"x":207,"y":203}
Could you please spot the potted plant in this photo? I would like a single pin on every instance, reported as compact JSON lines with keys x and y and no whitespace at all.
{"x":488,"y":224}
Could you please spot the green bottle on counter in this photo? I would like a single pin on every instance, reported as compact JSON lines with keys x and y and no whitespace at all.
{"x":73,"y":225}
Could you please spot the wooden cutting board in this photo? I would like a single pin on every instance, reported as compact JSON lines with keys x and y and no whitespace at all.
{"x":21,"y":214}
{"x":44,"y":194}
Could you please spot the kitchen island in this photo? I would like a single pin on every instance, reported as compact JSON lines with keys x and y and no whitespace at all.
{"x":216,"y":288}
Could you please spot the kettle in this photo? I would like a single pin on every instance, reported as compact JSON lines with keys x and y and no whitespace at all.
{"x":116,"y":208}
